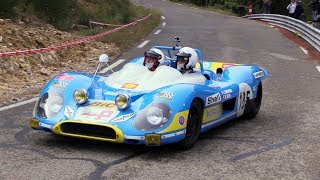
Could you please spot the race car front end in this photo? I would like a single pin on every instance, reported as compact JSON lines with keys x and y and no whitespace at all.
{"x":118,"y":121}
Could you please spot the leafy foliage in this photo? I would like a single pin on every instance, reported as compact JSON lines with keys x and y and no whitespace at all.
{"x":65,"y":13}
{"x":240,"y":7}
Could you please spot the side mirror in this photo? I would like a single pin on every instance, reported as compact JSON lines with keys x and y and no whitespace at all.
{"x":104,"y":58}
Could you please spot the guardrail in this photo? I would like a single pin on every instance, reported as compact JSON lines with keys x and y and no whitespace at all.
{"x":304,"y":30}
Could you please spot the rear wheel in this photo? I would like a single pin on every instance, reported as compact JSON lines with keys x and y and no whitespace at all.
{"x":253,"y":106}
{"x":193,"y":125}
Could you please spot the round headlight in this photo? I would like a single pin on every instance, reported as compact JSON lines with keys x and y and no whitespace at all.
{"x":122,"y":101}
{"x":154,"y":115}
{"x":49,"y":104}
{"x":80,"y":96}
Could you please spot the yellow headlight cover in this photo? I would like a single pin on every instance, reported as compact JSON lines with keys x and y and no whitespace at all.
{"x":80,"y":96}
{"x":122,"y":101}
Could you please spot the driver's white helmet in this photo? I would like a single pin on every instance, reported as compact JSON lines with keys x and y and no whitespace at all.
{"x":161,"y":61}
{"x":193,"y":57}
{"x":153,"y":58}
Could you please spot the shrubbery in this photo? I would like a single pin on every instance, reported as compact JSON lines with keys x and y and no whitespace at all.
{"x":64,"y":13}
{"x":240,"y":7}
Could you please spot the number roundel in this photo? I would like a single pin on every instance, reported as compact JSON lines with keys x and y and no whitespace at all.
{"x":245,"y":92}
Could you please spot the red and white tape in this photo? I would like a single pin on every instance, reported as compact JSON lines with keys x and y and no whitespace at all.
{"x":70,"y":43}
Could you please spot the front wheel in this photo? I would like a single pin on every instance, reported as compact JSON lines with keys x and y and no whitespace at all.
{"x":193,"y":129}
{"x":253,"y":106}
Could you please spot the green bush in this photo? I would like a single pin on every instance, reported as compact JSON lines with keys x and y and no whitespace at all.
{"x":242,"y":10}
{"x":8,"y":8}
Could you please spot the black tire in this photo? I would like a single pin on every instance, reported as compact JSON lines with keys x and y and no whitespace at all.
{"x":194,"y":122}
{"x":252,"y":107}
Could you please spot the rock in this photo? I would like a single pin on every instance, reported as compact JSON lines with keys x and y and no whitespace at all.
{"x":54,"y":54}
{"x":8,"y":20}
{"x":82,"y":27}
{"x":26,"y":20}
{"x":44,"y":71}
{"x":21,"y":23}
{"x":25,"y":66}
{"x":2,"y":21}
{"x":1,"y":39}
{"x":9,"y":32}
{"x":10,"y":44}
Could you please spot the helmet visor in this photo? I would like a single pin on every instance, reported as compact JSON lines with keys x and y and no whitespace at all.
{"x":149,"y":59}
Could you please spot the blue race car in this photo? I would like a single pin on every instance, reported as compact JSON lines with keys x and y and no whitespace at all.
{"x":138,"y":106}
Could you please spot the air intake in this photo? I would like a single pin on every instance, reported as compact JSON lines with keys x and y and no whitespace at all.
{"x":89,"y":130}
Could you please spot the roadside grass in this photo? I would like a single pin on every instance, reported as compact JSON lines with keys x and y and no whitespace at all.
{"x":132,"y":35}
{"x":217,"y":8}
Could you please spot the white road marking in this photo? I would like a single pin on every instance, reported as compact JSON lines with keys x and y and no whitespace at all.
{"x":143,"y":44}
{"x":318,"y":67}
{"x":157,"y":32}
{"x":112,"y":66}
{"x":282,"y":56}
{"x":164,"y":24}
{"x":163,"y":17}
{"x":304,"y":50}
{"x":18,"y":104}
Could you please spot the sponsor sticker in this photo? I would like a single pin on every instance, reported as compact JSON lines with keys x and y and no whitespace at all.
{"x":60,"y":84}
{"x":64,"y":77}
{"x":226,"y":65}
{"x":68,"y":111}
{"x":258,"y":74}
{"x":165,"y":95}
{"x":98,"y":116}
{"x":226,"y":94}
{"x":129,"y":86}
{"x":103,"y":104}
{"x":214,"y":112}
{"x":110,"y":93}
{"x":213,"y":99}
{"x":182,"y":120}
{"x":123,"y":117}
{"x":101,"y":115}
{"x":45,"y":125}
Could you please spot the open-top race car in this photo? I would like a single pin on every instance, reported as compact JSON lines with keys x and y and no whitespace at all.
{"x":137,"y":106}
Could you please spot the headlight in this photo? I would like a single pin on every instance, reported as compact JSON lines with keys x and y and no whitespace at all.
{"x":152,"y":117}
{"x":49,"y":104}
{"x":80,"y":96}
{"x":122,"y":101}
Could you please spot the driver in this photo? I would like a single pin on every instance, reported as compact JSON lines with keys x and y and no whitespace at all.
{"x":153,"y":58}
{"x":186,"y":60}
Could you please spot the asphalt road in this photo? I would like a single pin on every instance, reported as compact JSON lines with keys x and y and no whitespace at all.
{"x":283,"y":141}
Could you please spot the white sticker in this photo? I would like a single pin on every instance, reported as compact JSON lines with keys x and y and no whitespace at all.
{"x":165,"y":95}
{"x":123,"y":118}
{"x":68,"y":111}
{"x":45,"y":125}
{"x":102,"y":115}
{"x":226,"y":94}
{"x":245,"y":92}
{"x":258,"y":74}
{"x":213,"y":99}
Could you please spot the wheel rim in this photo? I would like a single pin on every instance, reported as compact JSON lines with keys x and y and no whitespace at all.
{"x":192,"y":123}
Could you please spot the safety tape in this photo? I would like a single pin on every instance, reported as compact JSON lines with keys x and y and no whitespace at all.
{"x":71,"y":43}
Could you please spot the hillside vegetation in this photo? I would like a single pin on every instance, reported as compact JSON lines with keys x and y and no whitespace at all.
{"x":32,"y":24}
{"x":240,"y":7}
{"x":64,"y":14}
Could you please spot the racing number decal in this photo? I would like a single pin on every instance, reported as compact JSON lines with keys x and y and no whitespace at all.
{"x":245,"y":92}
{"x":243,"y":99}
